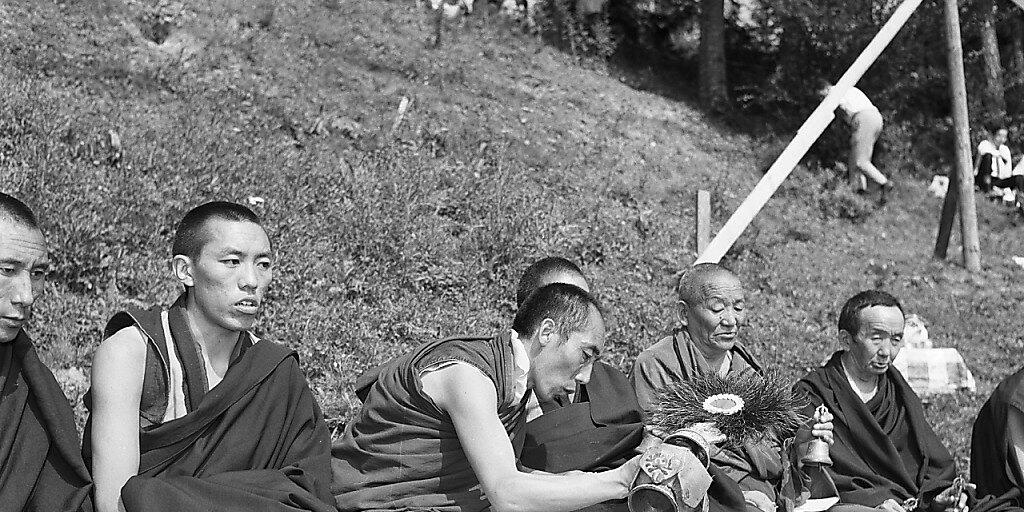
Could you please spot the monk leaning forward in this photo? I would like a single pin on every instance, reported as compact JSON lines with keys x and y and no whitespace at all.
{"x":441,"y":428}
{"x":190,"y":410}
{"x":885,"y":455}
{"x":41,"y":468}
{"x":596,"y":427}
{"x":712,"y":310}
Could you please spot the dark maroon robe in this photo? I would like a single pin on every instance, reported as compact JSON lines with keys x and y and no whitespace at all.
{"x":256,"y":441}
{"x":41,"y":467}
{"x":401,"y":452}
{"x":994,"y":467}
{"x":884,"y":448}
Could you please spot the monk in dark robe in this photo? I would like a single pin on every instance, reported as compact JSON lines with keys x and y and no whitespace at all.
{"x":599,"y":425}
{"x":885,"y":454}
{"x":712,"y":311}
{"x":191,"y":411}
{"x":41,"y":467}
{"x":997,"y":443}
{"x":442,"y":428}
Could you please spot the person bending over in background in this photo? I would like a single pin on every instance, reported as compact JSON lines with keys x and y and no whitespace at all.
{"x":865,"y":127}
{"x":885,"y":456}
{"x":993,"y":166}
{"x":41,"y":467}
{"x":712,"y":310}
{"x":189,"y":409}
{"x":441,"y":428}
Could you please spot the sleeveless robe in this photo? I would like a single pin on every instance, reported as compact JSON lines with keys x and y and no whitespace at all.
{"x":256,"y":441}
{"x":401,"y":452}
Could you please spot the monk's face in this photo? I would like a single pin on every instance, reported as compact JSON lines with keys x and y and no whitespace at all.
{"x":23,"y":266}
{"x":877,"y":342}
{"x":562,"y":362}
{"x":715,"y":317}
{"x":229,"y":278}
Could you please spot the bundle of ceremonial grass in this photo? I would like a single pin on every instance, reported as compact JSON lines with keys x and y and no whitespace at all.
{"x":744,"y":406}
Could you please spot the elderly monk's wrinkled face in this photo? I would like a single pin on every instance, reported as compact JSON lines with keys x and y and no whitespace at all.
{"x":877,"y":342}
{"x":23,"y":266}
{"x":714,"y":320}
{"x":565,"y":361}
{"x":232,"y":273}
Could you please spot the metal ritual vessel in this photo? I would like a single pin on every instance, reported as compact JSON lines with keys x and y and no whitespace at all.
{"x":816,"y":452}
{"x":673,"y":475}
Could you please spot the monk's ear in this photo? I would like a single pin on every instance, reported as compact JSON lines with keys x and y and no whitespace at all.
{"x":682,"y":311}
{"x":182,"y":268}
{"x":547,"y":332}
{"x":846,"y":338}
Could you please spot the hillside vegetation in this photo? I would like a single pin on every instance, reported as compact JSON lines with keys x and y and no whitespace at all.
{"x":386,"y":237}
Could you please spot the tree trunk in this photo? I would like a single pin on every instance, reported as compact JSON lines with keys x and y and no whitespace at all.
{"x":996,"y":102}
{"x":713,"y":91}
{"x":1018,"y":51}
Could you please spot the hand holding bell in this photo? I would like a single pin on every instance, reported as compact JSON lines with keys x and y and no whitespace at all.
{"x":816,"y":453}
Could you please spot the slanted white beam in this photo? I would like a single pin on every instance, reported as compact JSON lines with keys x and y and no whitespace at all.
{"x":805,"y":137}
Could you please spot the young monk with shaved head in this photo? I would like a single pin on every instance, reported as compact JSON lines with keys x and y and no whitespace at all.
{"x":41,"y":468}
{"x":190,"y":410}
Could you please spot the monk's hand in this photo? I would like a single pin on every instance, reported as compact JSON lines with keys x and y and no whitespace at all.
{"x":891,"y":505}
{"x":625,"y":474}
{"x":949,"y":500}
{"x":824,"y":430}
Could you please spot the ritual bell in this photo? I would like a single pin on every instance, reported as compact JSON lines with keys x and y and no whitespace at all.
{"x":816,"y":453}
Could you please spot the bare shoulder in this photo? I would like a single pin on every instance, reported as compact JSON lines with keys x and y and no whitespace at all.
{"x":121,"y":358}
{"x":458,"y":384}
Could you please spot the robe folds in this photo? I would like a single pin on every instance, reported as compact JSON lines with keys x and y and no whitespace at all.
{"x":994,"y":466}
{"x":883,"y":448}
{"x":758,"y":467}
{"x":256,"y":441}
{"x":599,"y":430}
{"x":401,"y":452}
{"x":41,"y":467}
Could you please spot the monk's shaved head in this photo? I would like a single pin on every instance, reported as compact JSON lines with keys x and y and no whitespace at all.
{"x":192,"y":233}
{"x":695,"y":283}
{"x":13,"y":210}
{"x":552,"y":269}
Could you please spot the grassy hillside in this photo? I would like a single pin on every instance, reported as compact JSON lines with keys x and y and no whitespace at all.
{"x":388,"y":237}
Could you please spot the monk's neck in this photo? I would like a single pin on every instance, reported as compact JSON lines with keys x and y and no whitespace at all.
{"x":215,"y":341}
{"x":865,"y":385}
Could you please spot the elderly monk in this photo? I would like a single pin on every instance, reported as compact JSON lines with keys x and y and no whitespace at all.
{"x":441,"y":428}
{"x":997,"y":443}
{"x":41,"y":468}
{"x":600,"y":426}
{"x":885,"y":455}
{"x":712,"y":309}
{"x":189,"y":409}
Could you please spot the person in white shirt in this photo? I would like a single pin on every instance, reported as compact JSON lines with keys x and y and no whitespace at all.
{"x":865,"y":127}
{"x":993,"y":168}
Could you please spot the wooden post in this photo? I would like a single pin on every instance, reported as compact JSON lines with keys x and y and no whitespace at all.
{"x":949,"y":204}
{"x":962,"y":140}
{"x":805,"y":137}
{"x":703,"y":220}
